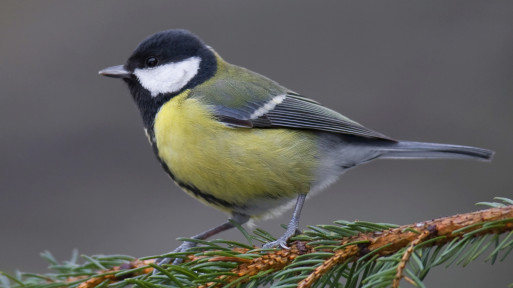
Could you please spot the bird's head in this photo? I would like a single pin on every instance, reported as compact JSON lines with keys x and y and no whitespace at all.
{"x":162,"y":66}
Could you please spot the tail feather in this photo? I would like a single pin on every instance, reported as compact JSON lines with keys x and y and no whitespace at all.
{"x":413,"y":150}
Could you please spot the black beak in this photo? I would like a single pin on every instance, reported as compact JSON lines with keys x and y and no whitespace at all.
{"x":116,"y":72}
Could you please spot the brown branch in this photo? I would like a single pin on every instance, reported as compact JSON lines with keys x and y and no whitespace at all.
{"x":406,"y":257}
{"x":392,"y":240}
{"x":111,"y":278}
{"x":382,"y":243}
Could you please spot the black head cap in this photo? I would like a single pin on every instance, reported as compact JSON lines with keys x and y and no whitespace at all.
{"x":167,"y":46}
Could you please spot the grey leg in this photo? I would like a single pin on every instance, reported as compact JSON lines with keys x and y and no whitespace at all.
{"x":239,"y":218}
{"x":292,"y":227}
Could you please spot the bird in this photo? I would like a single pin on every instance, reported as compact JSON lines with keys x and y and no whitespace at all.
{"x":239,"y":141}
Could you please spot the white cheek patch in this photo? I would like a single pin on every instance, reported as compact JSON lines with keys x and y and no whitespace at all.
{"x":168,"y":78}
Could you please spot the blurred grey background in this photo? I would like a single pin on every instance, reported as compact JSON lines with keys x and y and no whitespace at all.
{"x":76,"y":170}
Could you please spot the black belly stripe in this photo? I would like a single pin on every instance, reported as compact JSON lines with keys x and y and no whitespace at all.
{"x":189,"y":187}
{"x":207,"y":197}
{"x":198,"y":193}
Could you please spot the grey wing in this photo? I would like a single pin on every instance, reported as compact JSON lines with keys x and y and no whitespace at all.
{"x":294,"y":111}
{"x":258,"y":102}
{"x":303,"y":113}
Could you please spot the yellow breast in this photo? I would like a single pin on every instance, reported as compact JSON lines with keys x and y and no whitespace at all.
{"x":238,"y":165}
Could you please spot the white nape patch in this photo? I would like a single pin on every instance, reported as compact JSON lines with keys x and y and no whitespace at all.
{"x":268,"y":106}
{"x":168,"y":78}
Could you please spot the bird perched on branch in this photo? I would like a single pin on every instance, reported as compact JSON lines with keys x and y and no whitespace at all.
{"x":243,"y":143}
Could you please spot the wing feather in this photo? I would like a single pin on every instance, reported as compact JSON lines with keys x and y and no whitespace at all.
{"x":244,"y":99}
{"x":297,"y":112}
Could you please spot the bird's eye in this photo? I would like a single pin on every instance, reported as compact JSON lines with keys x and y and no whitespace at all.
{"x":151,"y":61}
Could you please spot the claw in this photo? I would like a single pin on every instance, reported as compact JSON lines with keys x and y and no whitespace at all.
{"x":236,"y":217}
{"x":182,"y":248}
{"x":281,"y":242}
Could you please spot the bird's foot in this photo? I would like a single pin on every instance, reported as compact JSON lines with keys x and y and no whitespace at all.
{"x":282,"y":241}
{"x":292,"y":228}
{"x":176,"y":261}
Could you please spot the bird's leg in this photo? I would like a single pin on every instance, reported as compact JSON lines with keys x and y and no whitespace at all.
{"x":292,"y":227}
{"x":238,"y":218}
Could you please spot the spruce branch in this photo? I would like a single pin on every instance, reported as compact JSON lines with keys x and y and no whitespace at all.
{"x":406,"y":257}
{"x":393,"y":240}
{"x":356,"y":254}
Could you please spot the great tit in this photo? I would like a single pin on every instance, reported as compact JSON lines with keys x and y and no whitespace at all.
{"x":243,"y":143}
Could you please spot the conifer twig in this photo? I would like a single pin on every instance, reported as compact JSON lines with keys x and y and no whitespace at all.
{"x":323,"y":255}
{"x":406,"y":257}
{"x":111,"y":277}
{"x":381,"y":243}
{"x":392,"y":240}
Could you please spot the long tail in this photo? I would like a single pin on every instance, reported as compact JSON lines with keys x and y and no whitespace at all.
{"x":412,"y":150}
